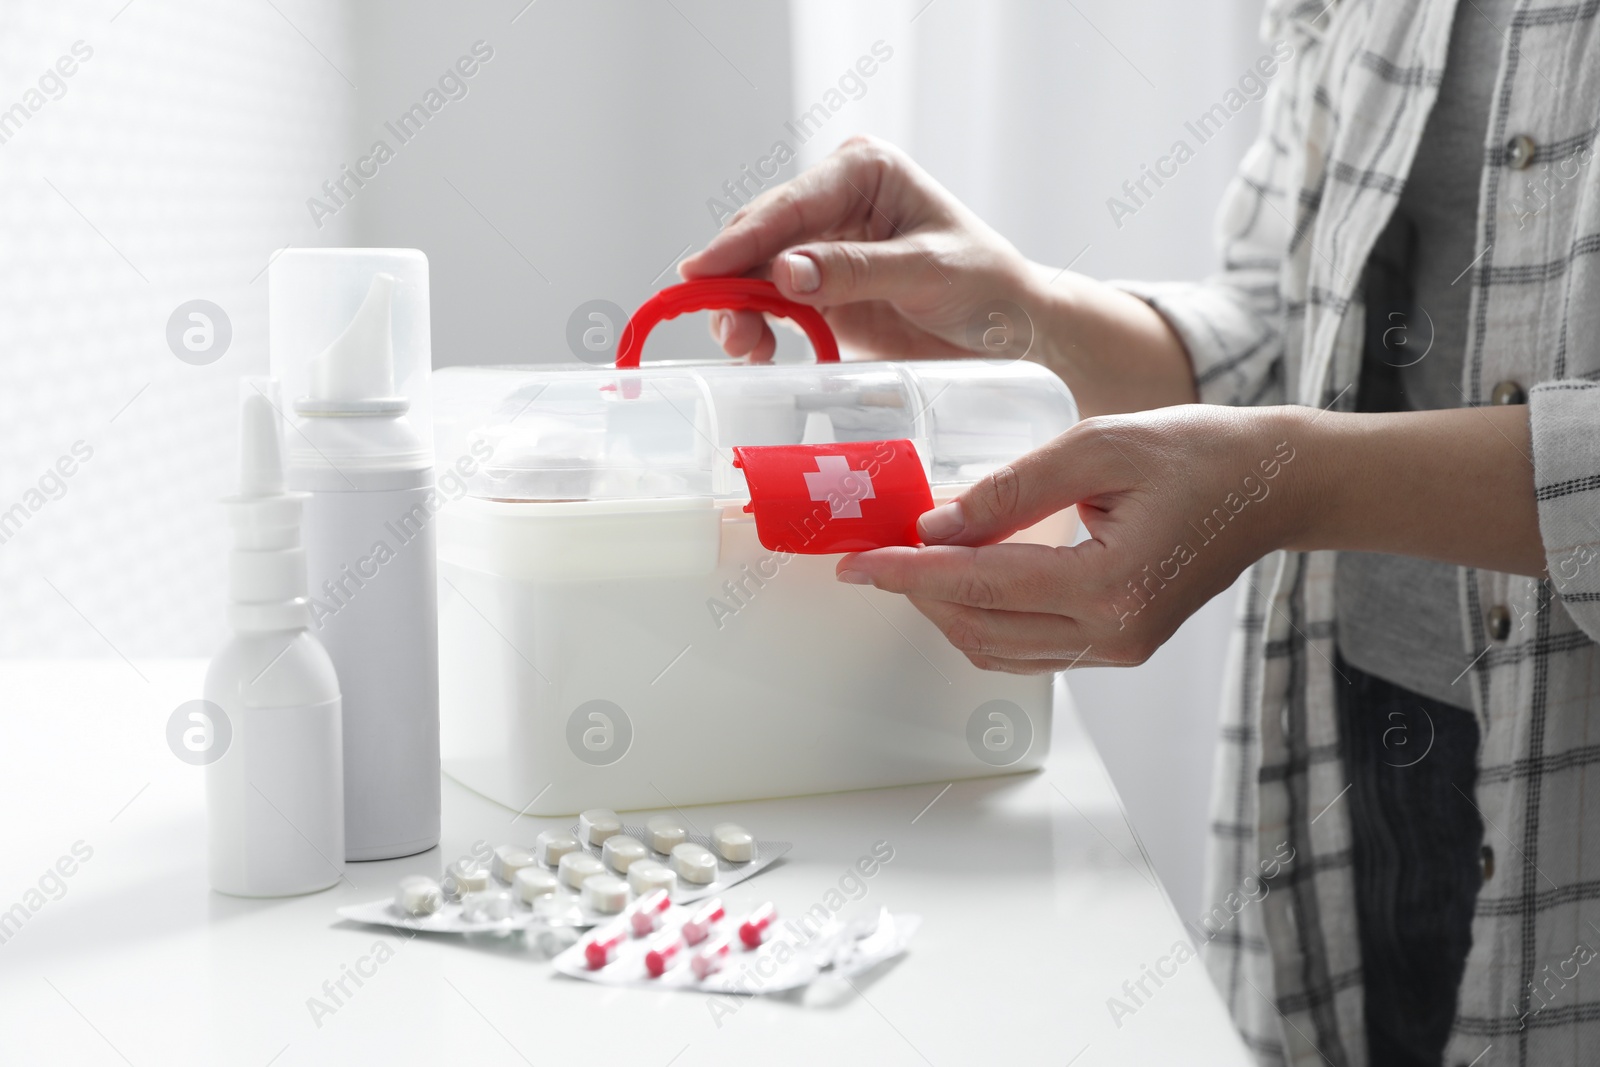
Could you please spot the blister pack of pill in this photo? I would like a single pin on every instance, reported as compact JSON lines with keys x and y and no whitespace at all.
{"x":701,"y":948}
{"x":702,"y":865}
{"x":579,"y":879}
{"x":517,"y":889}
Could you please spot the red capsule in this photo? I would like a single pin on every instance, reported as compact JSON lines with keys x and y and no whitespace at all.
{"x":754,"y":930}
{"x":663,"y":951}
{"x":710,"y":959}
{"x":699,"y":925}
{"x":603,"y":946}
{"x":649,"y":912}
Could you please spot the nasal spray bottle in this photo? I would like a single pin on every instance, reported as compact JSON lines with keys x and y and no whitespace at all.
{"x":349,"y":337}
{"x":275,"y":797}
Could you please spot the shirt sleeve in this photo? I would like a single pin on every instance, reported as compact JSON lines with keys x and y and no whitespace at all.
{"x":1565,"y":418}
{"x":1233,"y":322}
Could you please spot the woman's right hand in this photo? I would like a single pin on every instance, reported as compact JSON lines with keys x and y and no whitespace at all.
{"x":898,"y":267}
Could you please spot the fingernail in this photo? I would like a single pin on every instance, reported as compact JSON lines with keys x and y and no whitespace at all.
{"x":803,"y":273}
{"x":942,"y":522}
{"x":720,"y":322}
{"x":854,"y":578}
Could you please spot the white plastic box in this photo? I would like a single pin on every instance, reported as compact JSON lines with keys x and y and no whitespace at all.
{"x":613,"y":634}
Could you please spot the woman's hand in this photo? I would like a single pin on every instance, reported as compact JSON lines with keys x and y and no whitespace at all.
{"x":1177,"y":502}
{"x":897,"y":265}
{"x":901,"y":270}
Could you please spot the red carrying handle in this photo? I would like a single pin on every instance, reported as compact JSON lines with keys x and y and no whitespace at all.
{"x":731,"y":294}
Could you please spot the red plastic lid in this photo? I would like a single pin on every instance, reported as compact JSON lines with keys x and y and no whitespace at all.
{"x":849,"y":497}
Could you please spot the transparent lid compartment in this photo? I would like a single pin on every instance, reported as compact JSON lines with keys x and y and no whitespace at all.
{"x":668,"y":430}
{"x":979,"y":415}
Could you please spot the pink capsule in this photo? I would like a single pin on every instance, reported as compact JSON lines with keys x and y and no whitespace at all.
{"x":663,"y":951}
{"x":754,"y":930}
{"x":699,"y":925}
{"x":710,"y":959}
{"x":649,"y":912}
{"x":604,"y":945}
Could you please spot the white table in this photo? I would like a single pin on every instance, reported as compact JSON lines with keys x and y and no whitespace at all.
{"x":134,"y":960}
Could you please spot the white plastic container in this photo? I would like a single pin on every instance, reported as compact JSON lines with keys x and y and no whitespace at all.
{"x":613,"y":634}
{"x":275,"y":797}
{"x":350,"y":337}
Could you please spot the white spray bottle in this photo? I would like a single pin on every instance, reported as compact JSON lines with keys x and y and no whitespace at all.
{"x":275,"y":797}
{"x":341,"y":321}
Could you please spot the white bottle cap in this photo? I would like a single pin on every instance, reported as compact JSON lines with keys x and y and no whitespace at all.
{"x":348,"y":337}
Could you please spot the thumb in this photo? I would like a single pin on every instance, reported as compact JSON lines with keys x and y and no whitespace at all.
{"x":842,"y":272}
{"x":1017,"y":495}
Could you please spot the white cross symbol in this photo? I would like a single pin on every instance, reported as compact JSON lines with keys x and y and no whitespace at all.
{"x":834,"y":479}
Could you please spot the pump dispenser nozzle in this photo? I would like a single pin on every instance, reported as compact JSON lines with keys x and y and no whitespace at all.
{"x":260,"y":451}
{"x":267,"y":570}
{"x":355,"y":374}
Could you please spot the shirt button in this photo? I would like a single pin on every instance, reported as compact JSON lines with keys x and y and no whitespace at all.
{"x":1520,"y":151}
{"x":1486,"y":859}
{"x":1508,"y":392}
{"x":1499,"y":622}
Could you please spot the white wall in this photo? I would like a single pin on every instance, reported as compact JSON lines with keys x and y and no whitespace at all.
{"x":581,"y":160}
{"x":173,"y":163}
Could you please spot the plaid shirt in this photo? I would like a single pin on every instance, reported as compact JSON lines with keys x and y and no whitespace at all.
{"x":1283,"y":322}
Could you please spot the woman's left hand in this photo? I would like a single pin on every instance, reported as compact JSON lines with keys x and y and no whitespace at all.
{"x":1176,"y":501}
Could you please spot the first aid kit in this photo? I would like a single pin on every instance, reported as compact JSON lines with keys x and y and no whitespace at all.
{"x":638,"y":606}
